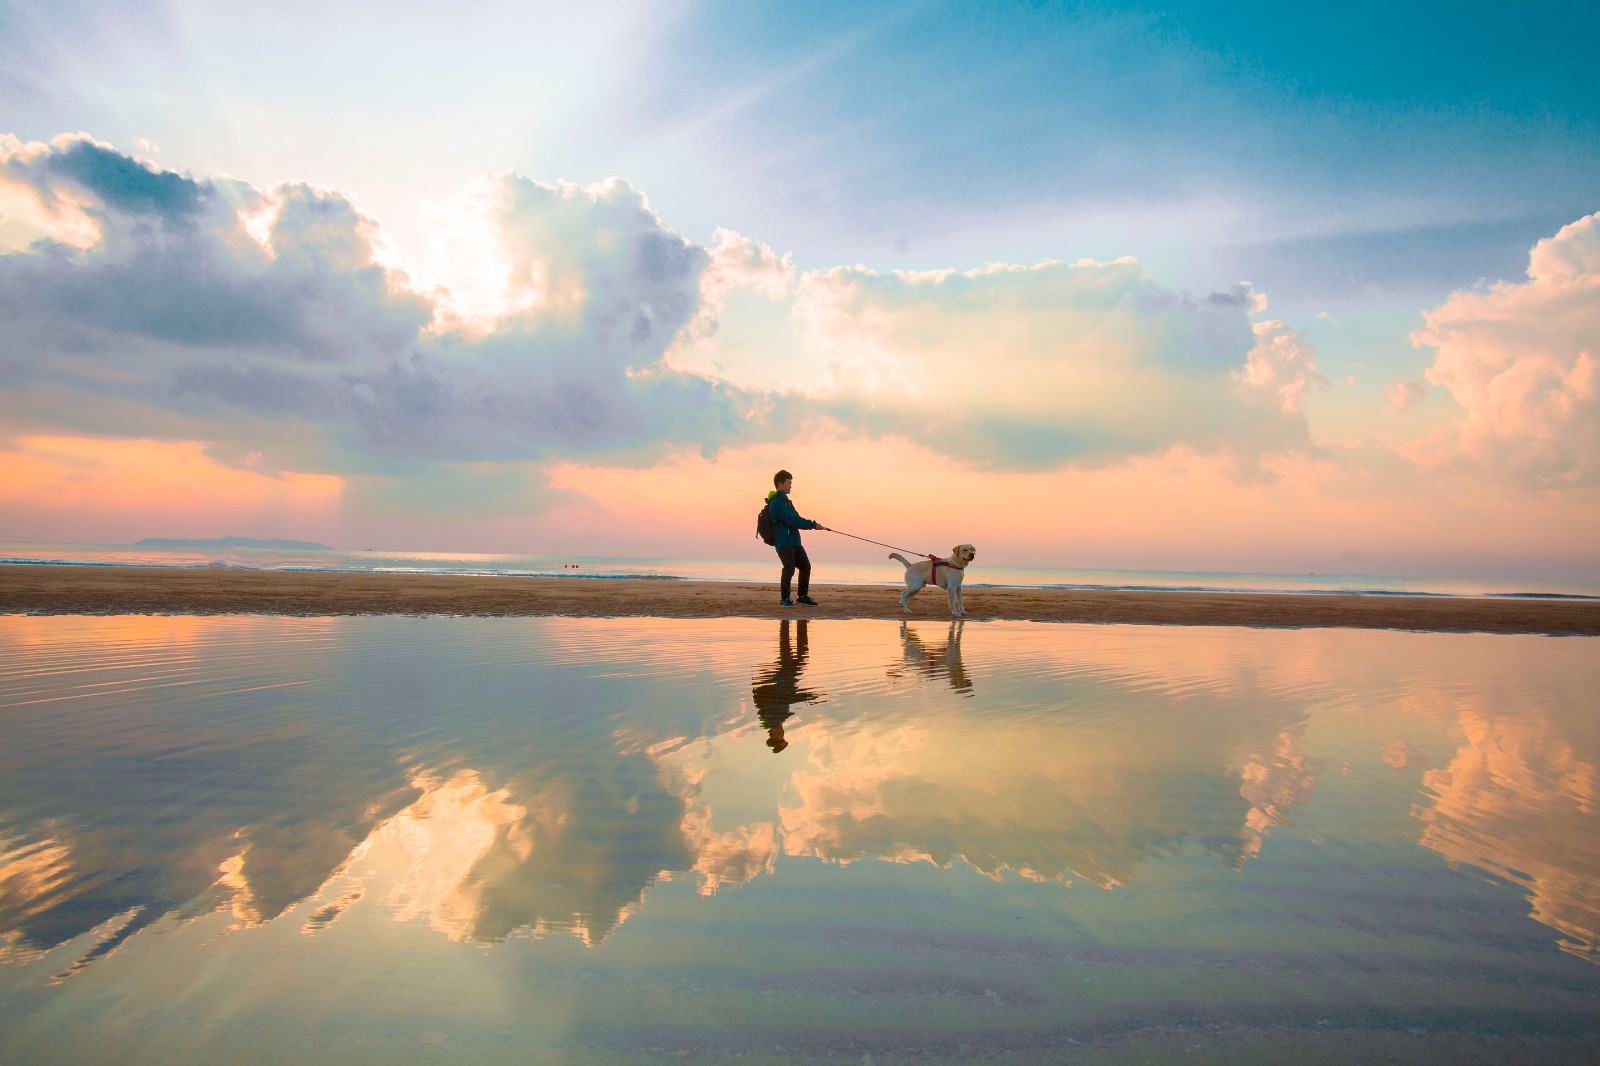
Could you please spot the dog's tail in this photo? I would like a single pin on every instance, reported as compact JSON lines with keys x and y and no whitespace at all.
{"x":903,"y":561}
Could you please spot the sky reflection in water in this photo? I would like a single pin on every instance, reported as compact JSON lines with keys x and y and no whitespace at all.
{"x":638,"y":823}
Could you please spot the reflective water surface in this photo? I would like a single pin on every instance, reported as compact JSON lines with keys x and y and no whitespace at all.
{"x":607,"y":840}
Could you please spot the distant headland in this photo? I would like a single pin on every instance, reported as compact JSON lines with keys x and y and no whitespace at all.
{"x":231,"y":542}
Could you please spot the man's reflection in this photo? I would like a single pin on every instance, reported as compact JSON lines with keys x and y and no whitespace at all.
{"x":777,"y":688}
{"x":934,"y":662}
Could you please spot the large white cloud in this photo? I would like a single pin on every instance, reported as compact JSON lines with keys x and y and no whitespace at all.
{"x":739,"y":263}
{"x":1523,"y":359}
{"x":221,"y":301}
{"x":1052,"y":364}
{"x":172,"y":262}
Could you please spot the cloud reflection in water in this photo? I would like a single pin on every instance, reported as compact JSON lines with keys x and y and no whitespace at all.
{"x":491,"y":778}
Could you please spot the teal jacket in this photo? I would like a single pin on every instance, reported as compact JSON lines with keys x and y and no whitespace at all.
{"x":789,"y":521}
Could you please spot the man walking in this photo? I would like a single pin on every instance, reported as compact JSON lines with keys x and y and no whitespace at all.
{"x":787,"y":541}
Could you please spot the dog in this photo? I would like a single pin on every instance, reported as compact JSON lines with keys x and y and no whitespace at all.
{"x":947,"y":575}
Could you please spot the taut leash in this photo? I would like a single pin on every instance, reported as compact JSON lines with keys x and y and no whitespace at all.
{"x":879,"y":543}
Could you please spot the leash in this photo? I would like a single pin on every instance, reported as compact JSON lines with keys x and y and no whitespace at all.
{"x":879,"y":543}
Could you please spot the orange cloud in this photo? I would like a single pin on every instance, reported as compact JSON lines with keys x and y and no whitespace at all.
{"x":1522,"y":359}
{"x":78,"y":488}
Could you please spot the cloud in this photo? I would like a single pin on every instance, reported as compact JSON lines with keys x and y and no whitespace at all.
{"x":57,"y":483}
{"x":544,"y":335}
{"x":222,"y":301}
{"x":737,"y":264}
{"x":742,"y":263}
{"x":1054,"y":364}
{"x":279,"y":323}
{"x":1282,"y":363}
{"x":173,"y":266}
{"x":124,"y":184}
{"x":464,"y":491}
{"x":1404,"y":395}
{"x":1523,"y":360}
{"x":30,"y":208}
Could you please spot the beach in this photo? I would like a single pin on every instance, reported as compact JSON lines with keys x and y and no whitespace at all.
{"x":50,"y":589}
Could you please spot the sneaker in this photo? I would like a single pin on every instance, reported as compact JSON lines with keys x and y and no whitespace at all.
{"x":808,"y":601}
{"x":786,"y":602}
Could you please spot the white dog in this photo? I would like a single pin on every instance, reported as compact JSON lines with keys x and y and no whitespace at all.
{"x":946,"y":573}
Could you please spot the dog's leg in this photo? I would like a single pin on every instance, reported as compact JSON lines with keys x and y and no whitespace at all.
{"x":953,"y":668}
{"x":913,"y":586}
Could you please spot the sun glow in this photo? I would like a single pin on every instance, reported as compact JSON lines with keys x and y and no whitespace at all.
{"x":73,"y":488}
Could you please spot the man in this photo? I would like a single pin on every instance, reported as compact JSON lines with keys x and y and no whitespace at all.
{"x":787,"y":541}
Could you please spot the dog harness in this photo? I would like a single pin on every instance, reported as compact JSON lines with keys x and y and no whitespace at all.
{"x":933,"y":575}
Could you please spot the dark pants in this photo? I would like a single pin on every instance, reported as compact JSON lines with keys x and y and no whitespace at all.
{"x":795,"y":559}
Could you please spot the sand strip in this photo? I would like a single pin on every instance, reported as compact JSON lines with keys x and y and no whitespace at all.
{"x":52,"y":589}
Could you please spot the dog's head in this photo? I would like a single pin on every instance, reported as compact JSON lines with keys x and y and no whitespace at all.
{"x":962,"y":554}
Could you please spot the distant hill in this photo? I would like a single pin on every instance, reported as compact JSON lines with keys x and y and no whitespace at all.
{"x":231,"y":542}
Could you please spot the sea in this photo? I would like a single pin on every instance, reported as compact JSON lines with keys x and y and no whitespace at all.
{"x":760,"y":566}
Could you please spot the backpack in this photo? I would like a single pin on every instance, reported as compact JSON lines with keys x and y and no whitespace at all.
{"x":766,"y":525}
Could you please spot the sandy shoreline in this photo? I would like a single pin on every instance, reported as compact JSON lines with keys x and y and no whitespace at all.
{"x":53,"y":589}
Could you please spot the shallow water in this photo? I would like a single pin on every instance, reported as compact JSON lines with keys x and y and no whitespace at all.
{"x":369,"y":839}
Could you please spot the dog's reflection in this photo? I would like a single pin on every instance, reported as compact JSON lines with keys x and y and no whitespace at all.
{"x":777,"y":689}
{"x":933,"y":661}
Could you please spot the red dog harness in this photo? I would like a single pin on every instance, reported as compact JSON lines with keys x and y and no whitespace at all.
{"x":933,"y":575}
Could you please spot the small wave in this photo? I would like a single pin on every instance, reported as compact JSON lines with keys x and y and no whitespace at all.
{"x":1219,"y":589}
{"x":1540,"y":596}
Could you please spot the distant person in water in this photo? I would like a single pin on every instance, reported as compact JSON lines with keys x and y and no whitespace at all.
{"x":787,"y":542}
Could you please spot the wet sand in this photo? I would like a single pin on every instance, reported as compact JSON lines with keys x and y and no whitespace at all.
{"x":50,"y":589}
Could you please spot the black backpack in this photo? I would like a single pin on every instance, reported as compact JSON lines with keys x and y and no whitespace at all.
{"x":766,"y":525}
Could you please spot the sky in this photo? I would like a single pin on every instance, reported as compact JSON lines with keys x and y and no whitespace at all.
{"x":1130,"y":286}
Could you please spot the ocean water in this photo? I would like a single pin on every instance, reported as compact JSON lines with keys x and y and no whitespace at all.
{"x":761,"y":565}
{"x":256,"y":839}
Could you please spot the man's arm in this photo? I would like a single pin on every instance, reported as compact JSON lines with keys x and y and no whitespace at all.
{"x":784,"y":512}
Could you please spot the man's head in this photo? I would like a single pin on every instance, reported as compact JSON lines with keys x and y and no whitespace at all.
{"x":782,"y":481}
